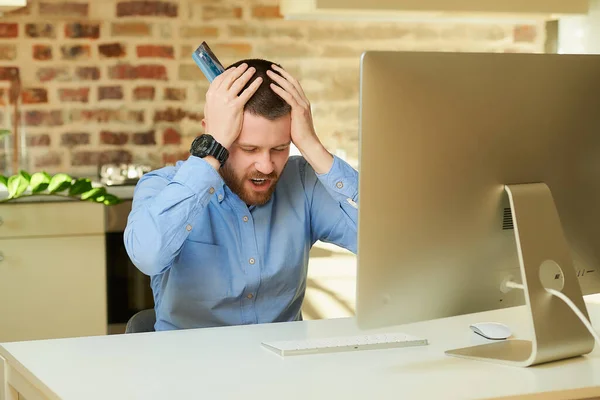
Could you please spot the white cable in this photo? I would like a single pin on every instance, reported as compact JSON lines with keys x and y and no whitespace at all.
{"x":568,"y":301}
{"x":576,"y":310}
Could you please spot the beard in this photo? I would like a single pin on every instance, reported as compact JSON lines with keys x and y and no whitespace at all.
{"x":240,"y":185}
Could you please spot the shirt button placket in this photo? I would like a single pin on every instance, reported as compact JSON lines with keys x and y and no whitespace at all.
{"x":253,"y":274}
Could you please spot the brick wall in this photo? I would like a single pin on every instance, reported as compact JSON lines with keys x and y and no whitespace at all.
{"x":113,"y":81}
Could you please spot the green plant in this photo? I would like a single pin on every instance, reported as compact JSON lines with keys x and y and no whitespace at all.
{"x":41,"y":183}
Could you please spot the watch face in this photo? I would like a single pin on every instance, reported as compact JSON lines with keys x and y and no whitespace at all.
{"x":203,"y":144}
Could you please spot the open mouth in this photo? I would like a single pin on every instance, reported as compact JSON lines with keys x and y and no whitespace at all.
{"x":260,"y":184}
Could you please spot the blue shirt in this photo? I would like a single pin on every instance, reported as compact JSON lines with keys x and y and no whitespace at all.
{"x":214,"y":261}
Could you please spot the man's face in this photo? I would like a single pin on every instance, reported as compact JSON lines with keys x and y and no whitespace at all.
{"x":257,"y":158}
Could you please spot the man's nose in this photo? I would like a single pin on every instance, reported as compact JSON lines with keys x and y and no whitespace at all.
{"x":264,"y":164}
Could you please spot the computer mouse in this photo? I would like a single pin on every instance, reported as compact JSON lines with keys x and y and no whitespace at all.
{"x":491,"y":330}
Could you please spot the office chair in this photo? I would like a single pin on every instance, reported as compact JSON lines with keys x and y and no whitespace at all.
{"x":142,"y":321}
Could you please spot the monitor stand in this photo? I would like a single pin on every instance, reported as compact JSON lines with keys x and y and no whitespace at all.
{"x":543,"y":250}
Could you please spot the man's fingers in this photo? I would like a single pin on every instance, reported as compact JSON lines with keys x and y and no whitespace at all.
{"x":287,"y":86}
{"x":235,"y":74}
{"x":250,"y":90}
{"x":285,"y":95}
{"x":223,"y":77}
{"x":292,"y":80}
{"x":240,"y":82}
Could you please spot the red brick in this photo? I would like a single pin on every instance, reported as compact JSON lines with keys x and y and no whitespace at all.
{"x":53,"y":74}
{"x":144,"y":138}
{"x":176,"y":115}
{"x":19,"y":11}
{"x":143,"y":93}
{"x":40,"y":30}
{"x":144,"y":71}
{"x":525,"y":33}
{"x":171,"y":136}
{"x":42,"y":52}
{"x":122,"y":71}
{"x":42,"y":140}
{"x":8,"y":73}
{"x":170,"y":115}
{"x":198,"y":31}
{"x":104,"y":115}
{"x":76,"y":52}
{"x":82,"y":31}
{"x":46,"y":160}
{"x":74,"y":139}
{"x":87,"y":73}
{"x":221,"y":12}
{"x":80,"y":95}
{"x":151,"y":72}
{"x":110,"y":93}
{"x":147,"y":8}
{"x":9,"y":30}
{"x":112,"y":50}
{"x":114,"y":138}
{"x":34,"y":96}
{"x":155,"y":51}
{"x":94,"y":158}
{"x":131,"y":29}
{"x":8,"y":52}
{"x":266,"y":12}
{"x":238,"y":50}
{"x":172,"y":158}
{"x":64,"y":9}
{"x":175,"y":94}
{"x":43,"y":118}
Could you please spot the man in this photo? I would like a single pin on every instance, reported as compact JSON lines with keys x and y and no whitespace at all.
{"x":226,"y":234}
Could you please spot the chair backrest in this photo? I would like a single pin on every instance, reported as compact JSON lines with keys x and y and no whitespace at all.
{"x":142,"y":321}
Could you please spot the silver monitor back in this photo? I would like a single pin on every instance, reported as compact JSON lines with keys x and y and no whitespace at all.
{"x":440,"y":136}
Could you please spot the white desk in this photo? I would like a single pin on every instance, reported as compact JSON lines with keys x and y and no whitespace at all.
{"x":230,"y":363}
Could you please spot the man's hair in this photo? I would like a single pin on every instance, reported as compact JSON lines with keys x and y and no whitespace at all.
{"x":265,"y":102}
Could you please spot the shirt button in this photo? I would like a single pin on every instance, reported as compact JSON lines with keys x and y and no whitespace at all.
{"x":211,"y":190}
{"x":188,"y":228}
{"x":250,"y":296}
{"x":252,"y":261}
{"x":220,"y":197}
{"x":339,"y":185}
{"x":245,"y":218}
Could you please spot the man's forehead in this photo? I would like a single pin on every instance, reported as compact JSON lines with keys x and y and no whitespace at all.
{"x":260,"y":132}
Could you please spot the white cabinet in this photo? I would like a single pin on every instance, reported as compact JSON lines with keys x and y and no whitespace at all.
{"x":52,"y":270}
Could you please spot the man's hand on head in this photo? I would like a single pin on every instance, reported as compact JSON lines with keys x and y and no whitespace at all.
{"x":303,"y":131}
{"x":224,"y":107}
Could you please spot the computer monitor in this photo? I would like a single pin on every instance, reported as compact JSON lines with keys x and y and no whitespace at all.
{"x":444,"y":139}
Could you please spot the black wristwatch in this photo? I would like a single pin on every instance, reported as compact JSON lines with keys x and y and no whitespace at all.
{"x":206,"y":145}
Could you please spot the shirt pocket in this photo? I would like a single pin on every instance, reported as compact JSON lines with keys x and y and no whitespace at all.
{"x":202,"y":272}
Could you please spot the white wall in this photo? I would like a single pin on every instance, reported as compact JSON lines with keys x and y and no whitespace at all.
{"x":581,"y":35}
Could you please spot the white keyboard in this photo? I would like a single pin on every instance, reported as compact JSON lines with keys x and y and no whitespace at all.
{"x":344,"y":343}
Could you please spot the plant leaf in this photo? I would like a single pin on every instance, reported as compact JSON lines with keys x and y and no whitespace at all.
{"x":59,"y":182}
{"x":80,"y":186}
{"x":4,"y":181}
{"x":4,"y":132}
{"x":39,"y":182}
{"x":93,"y":194}
{"x":25,"y":175}
{"x":17,"y":184}
{"x":111,"y":200}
